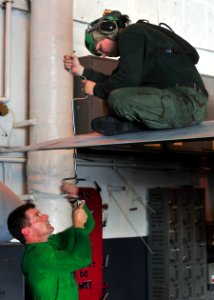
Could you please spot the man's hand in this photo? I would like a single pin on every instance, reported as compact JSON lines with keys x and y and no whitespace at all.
{"x":89,"y":87}
{"x":71,"y":62}
{"x":79,"y":217}
{"x":70,"y":189}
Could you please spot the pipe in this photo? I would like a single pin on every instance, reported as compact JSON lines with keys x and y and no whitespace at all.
{"x":51,"y":93}
{"x":24,"y":123}
{"x":8,"y":7}
{"x":19,"y":160}
{"x":9,"y":201}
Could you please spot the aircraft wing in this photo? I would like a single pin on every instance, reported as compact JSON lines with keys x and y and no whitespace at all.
{"x":203,"y":131}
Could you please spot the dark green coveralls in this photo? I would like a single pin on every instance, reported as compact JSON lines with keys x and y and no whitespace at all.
{"x":49,"y":267}
{"x":160,"y":90}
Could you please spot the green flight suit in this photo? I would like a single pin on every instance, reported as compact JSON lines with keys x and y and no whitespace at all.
{"x":160,"y":90}
{"x":49,"y":267}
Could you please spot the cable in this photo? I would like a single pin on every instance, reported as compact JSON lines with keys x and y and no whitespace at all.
{"x":74,"y":74}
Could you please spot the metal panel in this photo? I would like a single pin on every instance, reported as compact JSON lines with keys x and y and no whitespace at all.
{"x":177,"y":235}
{"x":11,"y":278}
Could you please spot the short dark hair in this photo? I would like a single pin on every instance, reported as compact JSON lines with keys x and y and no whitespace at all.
{"x":17,"y":220}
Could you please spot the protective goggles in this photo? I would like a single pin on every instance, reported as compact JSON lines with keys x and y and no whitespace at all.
{"x":105,"y":27}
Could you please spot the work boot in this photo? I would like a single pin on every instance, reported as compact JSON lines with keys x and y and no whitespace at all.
{"x":112,"y":126}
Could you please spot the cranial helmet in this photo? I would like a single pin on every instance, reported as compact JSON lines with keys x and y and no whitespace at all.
{"x":104,"y":27}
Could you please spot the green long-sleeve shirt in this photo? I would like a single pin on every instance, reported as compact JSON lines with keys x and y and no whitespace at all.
{"x":140,"y":64}
{"x":48,"y":267}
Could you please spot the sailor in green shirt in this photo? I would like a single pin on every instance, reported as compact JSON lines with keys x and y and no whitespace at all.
{"x":156,"y":84}
{"x":49,"y":260}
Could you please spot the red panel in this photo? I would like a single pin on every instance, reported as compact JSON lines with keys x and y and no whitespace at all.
{"x":90,"y":280}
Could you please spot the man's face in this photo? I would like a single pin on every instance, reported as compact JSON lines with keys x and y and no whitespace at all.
{"x":39,"y":228}
{"x":107,"y":47}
